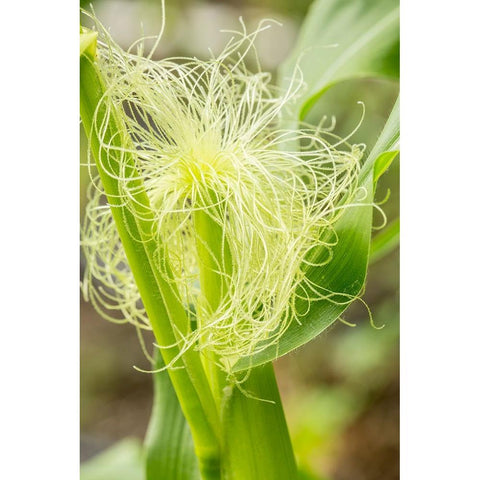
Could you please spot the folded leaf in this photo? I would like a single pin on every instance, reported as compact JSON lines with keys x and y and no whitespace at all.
{"x":344,"y":39}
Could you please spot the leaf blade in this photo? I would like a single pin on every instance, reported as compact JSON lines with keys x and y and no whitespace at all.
{"x":382,"y":163}
{"x":169,"y":449}
{"x":346,"y":271}
{"x":341,"y":40}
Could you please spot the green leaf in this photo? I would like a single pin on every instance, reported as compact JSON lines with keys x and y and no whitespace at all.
{"x":382,"y":163}
{"x":341,"y":40}
{"x":345,"y":272}
{"x":385,"y":241}
{"x":123,"y":461}
{"x":257,"y":444}
{"x":168,"y":444}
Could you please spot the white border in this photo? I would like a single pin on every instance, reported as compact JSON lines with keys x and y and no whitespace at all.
{"x":39,"y":192}
{"x":440,"y":213}
{"x":440,"y":254}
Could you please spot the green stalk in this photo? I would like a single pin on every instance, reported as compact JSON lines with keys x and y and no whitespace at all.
{"x":213,"y":257}
{"x":257,"y":443}
{"x":160,"y":301}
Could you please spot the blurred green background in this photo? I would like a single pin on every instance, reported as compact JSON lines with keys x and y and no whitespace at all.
{"x":340,"y":391}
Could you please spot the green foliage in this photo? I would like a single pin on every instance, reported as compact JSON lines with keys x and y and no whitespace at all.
{"x":367,"y":34}
{"x":345,"y":273}
{"x":341,"y":40}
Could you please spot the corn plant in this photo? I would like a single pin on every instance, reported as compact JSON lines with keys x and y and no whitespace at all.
{"x":232,"y":229}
